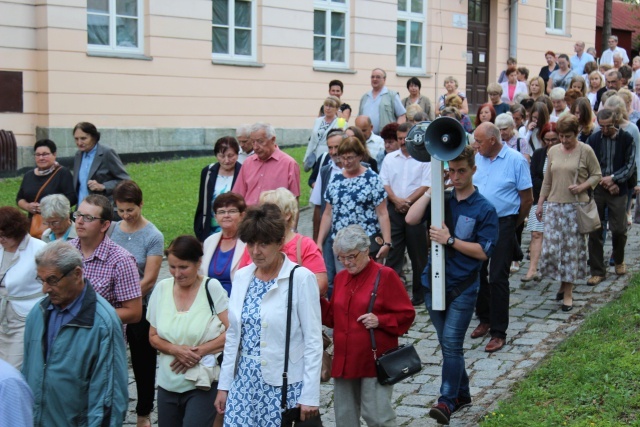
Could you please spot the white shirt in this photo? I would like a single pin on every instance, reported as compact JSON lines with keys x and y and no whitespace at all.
{"x":316,"y":193}
{"x":607,"y":56}
{"x":553,"y":117}
{"x":375,"y":144}
{"x":404,"y":174}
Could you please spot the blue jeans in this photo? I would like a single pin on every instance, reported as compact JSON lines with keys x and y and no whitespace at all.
{"x":451,"y":326}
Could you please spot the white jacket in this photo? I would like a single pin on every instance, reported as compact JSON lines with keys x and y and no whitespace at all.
{"x":305,"y":354}
{"x":23,"y":290}
{"x":209,"y":247}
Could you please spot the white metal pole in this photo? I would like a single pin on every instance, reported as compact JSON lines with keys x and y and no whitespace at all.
{"x":437,"y":250}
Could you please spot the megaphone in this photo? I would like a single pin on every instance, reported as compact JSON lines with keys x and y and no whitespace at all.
{"x":444,"y":139}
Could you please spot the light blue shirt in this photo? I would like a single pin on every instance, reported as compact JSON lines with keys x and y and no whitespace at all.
{"x":577,"y":64}
{"x":16,"y":399}
{"x":500,"y":180}
{"x":83,"y":173}
{"x":58,"y":318}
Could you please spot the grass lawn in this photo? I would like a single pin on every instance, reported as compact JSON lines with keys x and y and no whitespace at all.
{"x":592,"y":379}
{"x":170,"y":190}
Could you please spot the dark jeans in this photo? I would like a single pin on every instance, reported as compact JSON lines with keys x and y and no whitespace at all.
{"x":143,"y":362}
{"x":493,"y":299}
{"x":617,"y":219}
{"x":412,"y":237}
{"x":191,"y":408}
{"x":329,"y":262}
{"x":451,"y":326}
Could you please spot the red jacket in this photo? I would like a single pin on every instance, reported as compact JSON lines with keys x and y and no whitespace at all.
{"x":353,"y":357}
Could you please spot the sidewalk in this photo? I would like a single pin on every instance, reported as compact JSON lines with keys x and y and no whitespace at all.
{"x":537,"y":326}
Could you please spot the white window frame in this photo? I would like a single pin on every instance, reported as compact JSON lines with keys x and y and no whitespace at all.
{"x":409,"y":17}
{"x":113,"y":47}
{"x":550,"y":10}
{"x":230,"y":55}
{"x":329,"y":7}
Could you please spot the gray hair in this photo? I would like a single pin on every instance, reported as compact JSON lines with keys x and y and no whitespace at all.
{"x":243,"y":130}
{"x":617,"y":55}
{"x":55,"y":205}
{"x":504,"y":120}
{"x":520,"y":97}
{"x":557,"y":94}
{"x":617,"y":104}
{"x":352,"y":237}
{"x":60,"y":255}
{"x":613,"y":37}
{"x":269,"y":131}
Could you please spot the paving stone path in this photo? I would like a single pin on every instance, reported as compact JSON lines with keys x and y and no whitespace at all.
{"x":537,"y":325}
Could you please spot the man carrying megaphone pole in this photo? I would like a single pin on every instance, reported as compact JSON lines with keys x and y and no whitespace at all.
{"x":469,"y":234}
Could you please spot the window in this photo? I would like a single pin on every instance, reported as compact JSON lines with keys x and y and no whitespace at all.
{"x":115,"y":25}
{"x":233,"y":33}
{"x":555,"y":16}
{"x":410,"y":45}
{"x":330,"y":29}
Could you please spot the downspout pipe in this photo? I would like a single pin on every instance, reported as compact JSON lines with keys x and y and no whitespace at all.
{"x":513,"y":29}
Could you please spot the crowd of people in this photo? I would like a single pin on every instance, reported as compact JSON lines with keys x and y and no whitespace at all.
{"x":248,"y":295}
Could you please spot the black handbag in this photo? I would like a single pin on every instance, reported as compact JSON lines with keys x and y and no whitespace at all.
{"x":398,"y":363}
{"x":291,"y":417}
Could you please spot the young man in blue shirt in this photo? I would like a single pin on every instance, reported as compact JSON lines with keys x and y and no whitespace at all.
{"x":469,"y":233}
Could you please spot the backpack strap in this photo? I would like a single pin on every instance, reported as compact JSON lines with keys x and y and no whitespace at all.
{"x":211,"y":305}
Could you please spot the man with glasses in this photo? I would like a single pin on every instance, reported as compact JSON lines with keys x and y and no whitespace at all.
{"x":616,"y":153}
{"x":110,"y":268}
{"x":613,"y":81}
{"x":607,"y":55}
{"x":75,"y":359}
{"x":268,"y":168}
{"x":381,"y":104}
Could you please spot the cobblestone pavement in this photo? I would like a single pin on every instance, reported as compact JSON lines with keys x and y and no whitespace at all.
{"x":537,"y":326}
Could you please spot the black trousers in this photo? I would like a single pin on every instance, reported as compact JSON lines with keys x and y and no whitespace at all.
{"x":617,"y":220}
{"x":143,"y":362}
{"x":414,"y":239}
{"x":492,"y":305}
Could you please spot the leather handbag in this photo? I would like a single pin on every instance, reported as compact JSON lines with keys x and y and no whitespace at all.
{"x":37,"y":227}
{"x":587,"y":215}
{"x":398,"y":363}
{"x":291,"y":417}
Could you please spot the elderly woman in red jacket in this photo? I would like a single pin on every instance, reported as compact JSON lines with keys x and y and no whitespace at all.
{"x":356,"y":388}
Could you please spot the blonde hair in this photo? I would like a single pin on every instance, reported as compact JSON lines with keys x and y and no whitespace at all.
{"x":283,"y":199}
{"x":626,"y":96}
{"x":596,"y":73}
{"x":412,"y":110}
{"x":333,"y":100}
{"x":453,"y":101}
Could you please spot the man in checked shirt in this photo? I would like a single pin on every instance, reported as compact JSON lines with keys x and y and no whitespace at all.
{"x":111,"y":269}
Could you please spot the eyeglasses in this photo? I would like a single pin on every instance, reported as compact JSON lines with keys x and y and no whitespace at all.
{"x":52,"y":280}
{"x":261,"y":141}
{"x":51,"y":223}
{"x":607,"y":126}
{"x":348,"y":258}
{"x":222,"y":212}
{"x":348,"y":158}
{"x":550,"y":139}
{"x":85,"y":217}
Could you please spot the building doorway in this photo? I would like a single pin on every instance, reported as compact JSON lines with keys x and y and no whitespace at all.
{"x":477,"y":54}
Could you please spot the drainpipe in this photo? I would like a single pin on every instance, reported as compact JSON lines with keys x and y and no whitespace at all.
{"x":513,"y":29}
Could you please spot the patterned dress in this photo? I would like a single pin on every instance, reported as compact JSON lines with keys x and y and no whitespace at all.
{"x":251,"y":401}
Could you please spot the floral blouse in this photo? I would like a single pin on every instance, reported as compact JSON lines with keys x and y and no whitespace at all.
{"x":354,"y":201}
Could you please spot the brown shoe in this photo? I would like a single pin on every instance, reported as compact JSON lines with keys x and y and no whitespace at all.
{"x":621,"y":269}
{"x":481,"y":330}
{"x":595,"y":280}
{"x":495,"y":344}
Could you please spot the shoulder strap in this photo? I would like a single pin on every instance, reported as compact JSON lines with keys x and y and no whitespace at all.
{"x":283,"y":405}
{"x":46,"y":183}
{"x":211,"y":305}
{"x":374,"y":294}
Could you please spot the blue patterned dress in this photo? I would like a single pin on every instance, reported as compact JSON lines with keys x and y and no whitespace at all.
{"x":251,"y":401}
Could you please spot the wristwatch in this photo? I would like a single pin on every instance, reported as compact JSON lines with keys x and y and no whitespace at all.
{"x":387,"y":244}
{"x":450,"y":241}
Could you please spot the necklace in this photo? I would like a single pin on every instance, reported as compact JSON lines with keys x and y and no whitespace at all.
{"x":217,"y":273}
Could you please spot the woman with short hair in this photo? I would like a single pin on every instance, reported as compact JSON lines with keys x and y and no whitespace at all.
{"x":251,"y":379}
{"x":216,"y":179}
{"x":322,"y":125}
{"x":562,"y":76}
{"x":511,"y":87}
{"x":357,"y":391}
{"x":413,"y":86}
{"x":572,"y":170}
{"x":19,"y":289}
{"x":451,"y":85}
{"x":551,"y":66}
{"x":55,"y":210}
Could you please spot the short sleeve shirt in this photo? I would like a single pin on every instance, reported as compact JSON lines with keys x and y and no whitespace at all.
{"x":354,"y":201}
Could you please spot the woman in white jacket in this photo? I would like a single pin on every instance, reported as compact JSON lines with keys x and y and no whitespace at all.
{"x":321,"y":127}
{"x":19,"y":289}
{"x":249,"y":390}
{"x":512,"y":86}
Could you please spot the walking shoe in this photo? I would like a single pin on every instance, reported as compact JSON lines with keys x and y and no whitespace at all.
{"x":461,"y":403}
{"x":441,"y":413}
{"x":481,"y":330}
{"x":621,"y":269}
{"x":595,"y":280}
{"x":495,"y":344}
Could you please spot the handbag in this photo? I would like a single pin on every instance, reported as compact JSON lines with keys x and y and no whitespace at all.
{"x":291,"y":417}
{"x":586,"y":215}
{"x":375,"y":243}
{"x":37,"y":227}
{"x":398,"y":363}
